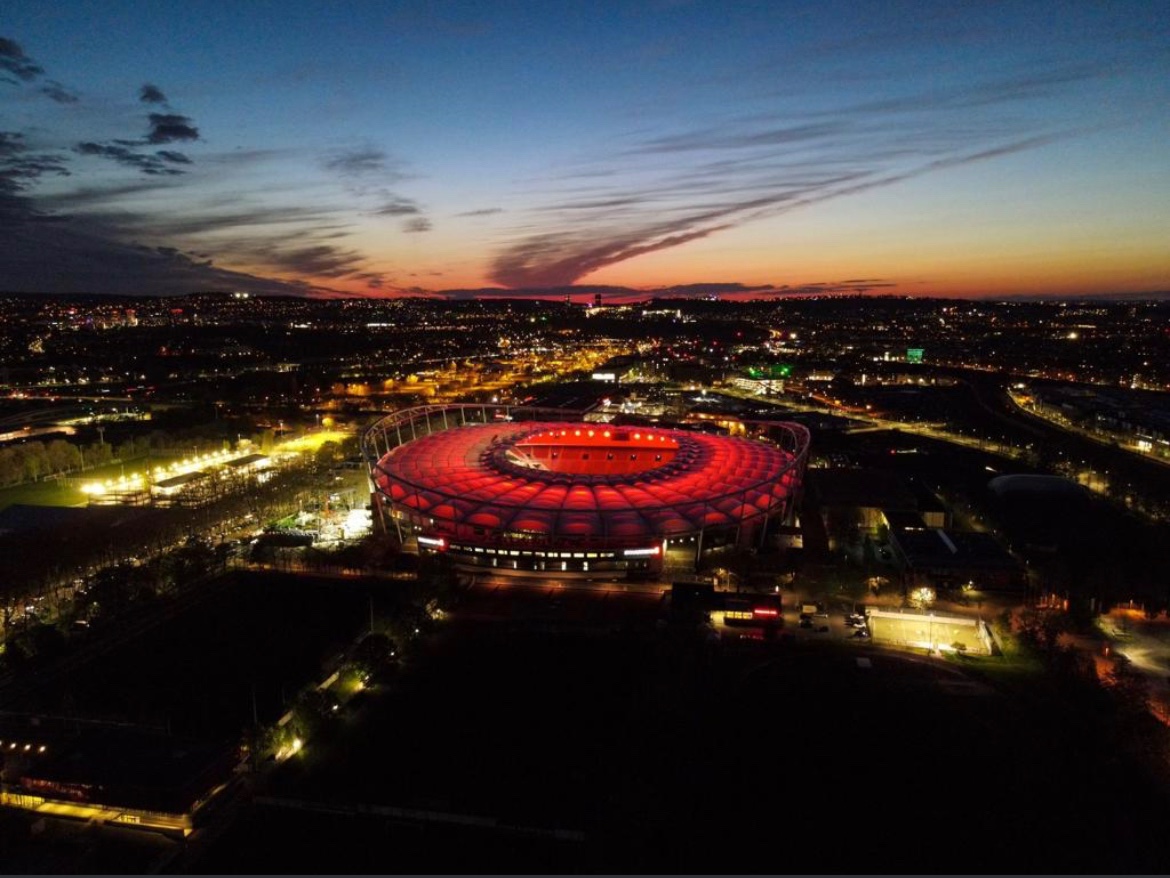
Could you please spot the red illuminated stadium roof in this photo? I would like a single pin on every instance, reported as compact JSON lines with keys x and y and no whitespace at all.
{"x":585,"y":482}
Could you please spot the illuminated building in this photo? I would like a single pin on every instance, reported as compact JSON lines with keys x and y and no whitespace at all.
{"x":117,"y":776}
{"x":513,"y":489}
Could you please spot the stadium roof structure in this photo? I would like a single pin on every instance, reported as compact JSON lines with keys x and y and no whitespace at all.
{"x":571,"y":482}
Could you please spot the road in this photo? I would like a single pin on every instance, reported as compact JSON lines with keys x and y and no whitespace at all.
{"x":1144,"y":645}
{"x":553,"y":605}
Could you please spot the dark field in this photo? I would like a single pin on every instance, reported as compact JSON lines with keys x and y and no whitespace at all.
{"x":673,"y":755}
{"x":195,"y":673}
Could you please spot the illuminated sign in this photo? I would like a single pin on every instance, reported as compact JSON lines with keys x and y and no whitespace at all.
{"x":642,"y":553}
{"x":914,"y":355}
{"x":435,"y":542}
{"x":605,"y":376}
{"x":773,"y":371}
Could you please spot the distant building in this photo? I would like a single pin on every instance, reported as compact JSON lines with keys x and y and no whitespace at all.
{"x":864,"y":499}
{"x":949,"y":559}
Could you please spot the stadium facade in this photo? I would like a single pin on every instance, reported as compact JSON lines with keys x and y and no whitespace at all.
{"x":528,"y":489}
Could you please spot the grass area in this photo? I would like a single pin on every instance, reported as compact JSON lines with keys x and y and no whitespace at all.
{"x":55,"y":493}
{"x":1008,"y":673}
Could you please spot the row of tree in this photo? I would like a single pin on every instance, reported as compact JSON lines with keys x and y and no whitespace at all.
{"x":30,"y":461}
{"x":35,"y":460}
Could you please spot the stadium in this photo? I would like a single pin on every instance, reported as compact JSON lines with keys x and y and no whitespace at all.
{"x":527,"y":489}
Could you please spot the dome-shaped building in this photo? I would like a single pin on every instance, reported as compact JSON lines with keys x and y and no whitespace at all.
{"x":561,"y":495}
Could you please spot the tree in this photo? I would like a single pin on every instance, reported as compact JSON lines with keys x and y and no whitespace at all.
{"x":374,"y":654}
{"x":314,"y":712}
{"x":47,"y":641}
{"x":328,"y":454}
{"x":844,"y":523}
{"x":1041,"y":629}
{"x":33,"y":460}
{"x":922,"y":598}
{"x":63,"y":456}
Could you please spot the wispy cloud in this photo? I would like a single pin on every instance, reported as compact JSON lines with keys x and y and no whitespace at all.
{"x":364,"y":161}
{"x":663,"y":190}
{"x":486,"y":211}
{"x":368,"y":172}
{"x":398,"y":207}
{"x":160,"y":163}
{"x":59,"y":93}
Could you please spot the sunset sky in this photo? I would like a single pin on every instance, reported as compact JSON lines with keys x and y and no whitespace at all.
{"x":371,"y":148}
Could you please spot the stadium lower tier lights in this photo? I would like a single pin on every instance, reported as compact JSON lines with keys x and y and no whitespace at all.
{"x":523,"y":492}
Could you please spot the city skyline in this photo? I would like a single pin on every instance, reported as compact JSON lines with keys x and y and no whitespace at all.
{"x":1015,"y":150}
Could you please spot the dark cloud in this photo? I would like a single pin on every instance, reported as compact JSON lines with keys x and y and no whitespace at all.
{"x":14,"y":62}
{"x":626,"y":295}
{"x":244,"y":156}
{"x":80,"y":254}
{"x":720,"y":139}
{"x":596,"y":204}
{"x":88,"y":240}
{"x":88,"y":197}
{"x":419,"y":224}
{"x":59,"y":93}
{"x":164,"y":128}
{"x":169,"y":127}
{"x":153,"y":164}
{"x":21,"y":166}
{"x":398,"y":207}
{"x":359,"y":162}
{"x":321,"y":260}
{"x":94,"y":226}
{"x":169,"y":155}
{"x":151,"y":94}
{"x":487,"y":211}
{"x":834,"y":287}
{"x":373,"y":281}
